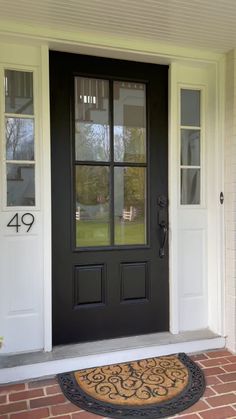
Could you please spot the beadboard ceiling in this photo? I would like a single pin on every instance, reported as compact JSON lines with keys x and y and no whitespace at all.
{"x":202,"y":24}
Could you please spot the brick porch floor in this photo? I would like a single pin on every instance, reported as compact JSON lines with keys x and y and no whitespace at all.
{"x":43,"y":399}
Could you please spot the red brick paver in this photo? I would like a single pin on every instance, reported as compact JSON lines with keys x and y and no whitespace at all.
{"x":44,"y":399}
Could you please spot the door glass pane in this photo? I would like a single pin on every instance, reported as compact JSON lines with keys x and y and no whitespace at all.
{"x":190,"y":107}
{"x":190,"y":186}
{"x":190,"y":147}
{"x":20,"y":184}
{"x":129,"y":122}
{"x":92,"y":206}
{"x":19,"y":139}
{"x":92,"y":140}
{"x":19,"y":92}
{"x":130,"y":205}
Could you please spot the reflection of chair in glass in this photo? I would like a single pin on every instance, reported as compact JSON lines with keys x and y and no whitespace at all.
{"x":77,"y":214}
{"x":129,"y":215}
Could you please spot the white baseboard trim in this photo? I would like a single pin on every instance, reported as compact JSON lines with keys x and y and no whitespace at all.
{"x":53,"y":367}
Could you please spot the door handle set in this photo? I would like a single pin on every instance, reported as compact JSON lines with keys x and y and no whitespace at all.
{"x":163,"y":242}
{"x":162,"y":203}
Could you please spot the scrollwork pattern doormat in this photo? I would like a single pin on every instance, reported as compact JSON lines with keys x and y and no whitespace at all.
{"x":150,"y":388}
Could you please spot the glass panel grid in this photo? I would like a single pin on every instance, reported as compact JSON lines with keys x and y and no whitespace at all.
{"x":190,"y":107}
{"x":190,"y":186}
{"x":129,"y":122}
{"x":20,"y":184}
{"x":190,"y":147}
{"x":92,"y":128}
{"x":121,"y":219}
{"x":18,"y":92}
{"x":130,"y":205}
{"x":92,"y":206}
{"x":19,"y":138}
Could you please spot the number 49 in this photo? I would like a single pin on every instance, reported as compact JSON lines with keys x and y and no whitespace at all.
{"x":26,"y":219}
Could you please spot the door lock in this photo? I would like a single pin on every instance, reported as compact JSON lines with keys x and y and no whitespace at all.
{"x":163,"y":222}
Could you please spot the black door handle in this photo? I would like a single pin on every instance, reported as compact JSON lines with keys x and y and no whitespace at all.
{"x":164,"y":237}
{"x":163,"y":223}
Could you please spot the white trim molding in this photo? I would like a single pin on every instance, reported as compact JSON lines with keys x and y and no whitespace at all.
{"x":46,"y":197}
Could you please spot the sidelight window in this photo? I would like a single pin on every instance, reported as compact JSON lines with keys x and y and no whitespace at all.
{"x":19,"y":138}
{"x":190,"y":147}
{"x":110,"y":162}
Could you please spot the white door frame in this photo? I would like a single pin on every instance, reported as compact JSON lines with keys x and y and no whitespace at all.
{"x":176,"y":58}
{"x":216,"y":306}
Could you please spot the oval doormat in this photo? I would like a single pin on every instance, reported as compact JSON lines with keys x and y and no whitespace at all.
{"x":150,"y":388}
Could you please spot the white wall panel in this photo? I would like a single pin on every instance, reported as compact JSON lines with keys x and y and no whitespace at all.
{"x":21,"y":298}
{"x":192,"y":279}
{"x":193,"y":313}
{"x":23,"y":273}
{"x":192,"y":263}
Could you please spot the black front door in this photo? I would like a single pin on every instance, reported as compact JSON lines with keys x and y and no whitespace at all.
{"x":109,"y":197}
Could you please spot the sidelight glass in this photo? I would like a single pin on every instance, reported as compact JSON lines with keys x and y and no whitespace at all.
{"x":130,"y":205}
{"x":92,"y":206}
{"x":129,"y":122}
{"x":19,"y":138}
{"x":190,"y":147}
{"x":190,"y":186}
{"x":92,"y":130}
{"x":190,"y":107}
{"x":19,"y":92}
{"x":20,"y":184}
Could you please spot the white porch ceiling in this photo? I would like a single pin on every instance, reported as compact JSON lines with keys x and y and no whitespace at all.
{"x":202,"y":24}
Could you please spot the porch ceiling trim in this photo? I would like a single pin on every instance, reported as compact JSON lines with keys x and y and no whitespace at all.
{"x":207,"y":25}
{"x":103,"y":44}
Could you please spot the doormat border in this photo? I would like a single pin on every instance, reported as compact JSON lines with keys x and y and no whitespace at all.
{"x":189,"y":396}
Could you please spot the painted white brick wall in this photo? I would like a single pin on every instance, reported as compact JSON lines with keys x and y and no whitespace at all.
{"x":230,"y":200}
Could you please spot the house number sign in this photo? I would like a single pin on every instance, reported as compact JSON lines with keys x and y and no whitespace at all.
{"x":17,"y":221}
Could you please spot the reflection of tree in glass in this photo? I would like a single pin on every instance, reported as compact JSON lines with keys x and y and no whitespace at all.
{"x":92,"y":182}
{"x":129,"y":144}
{"x":91,"y":185}
{"x":19,"y":139}
{"x":92,"y":142}
{"x":134,"y":190}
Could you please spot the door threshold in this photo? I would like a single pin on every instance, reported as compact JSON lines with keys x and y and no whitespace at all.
{"x":19,"y":367}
